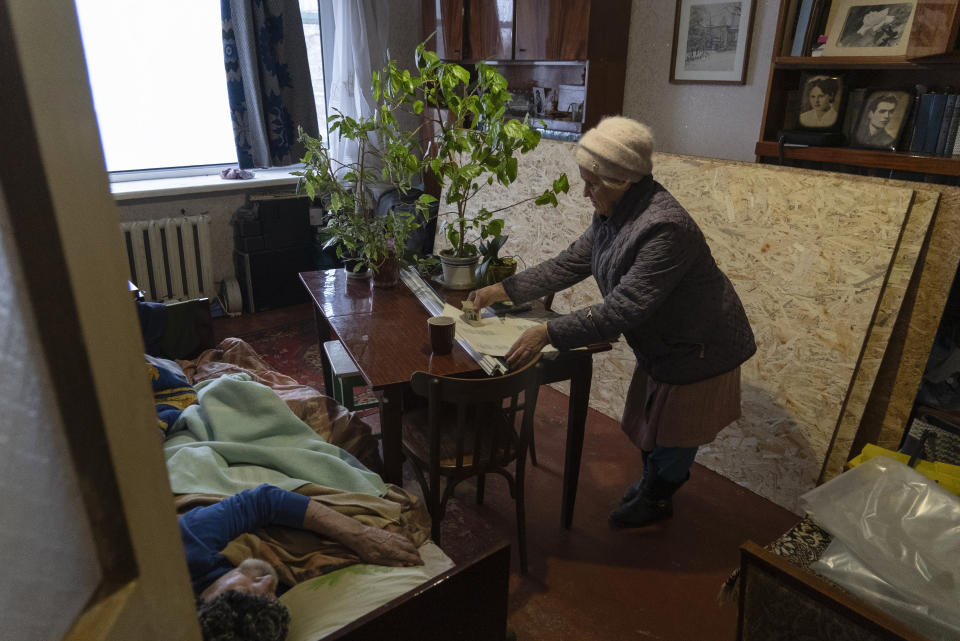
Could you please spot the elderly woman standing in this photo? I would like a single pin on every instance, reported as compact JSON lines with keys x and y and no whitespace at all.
{"x":663,"y":291}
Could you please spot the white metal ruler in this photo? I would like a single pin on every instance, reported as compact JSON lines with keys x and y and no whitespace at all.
{"x":434,"y":304}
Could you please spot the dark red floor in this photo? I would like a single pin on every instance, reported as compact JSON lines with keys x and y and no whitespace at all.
{"x":594,"y":581}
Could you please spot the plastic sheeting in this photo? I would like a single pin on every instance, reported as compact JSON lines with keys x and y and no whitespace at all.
{"x":897,"y":543}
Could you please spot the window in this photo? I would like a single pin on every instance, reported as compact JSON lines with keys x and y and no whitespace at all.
{"x":309,"y":13}
{"x":158,"y":84}
{"x":159,"y":90}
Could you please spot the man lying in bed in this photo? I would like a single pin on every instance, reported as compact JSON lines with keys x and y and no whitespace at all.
{"x":240,"y":602}
{"x":215,"y":442}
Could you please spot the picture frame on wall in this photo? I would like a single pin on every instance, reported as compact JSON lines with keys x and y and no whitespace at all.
{"x":869,"y":27}
{"x":823,"y":97}
{"x":881,"y":119}
{"x":711,"y":41}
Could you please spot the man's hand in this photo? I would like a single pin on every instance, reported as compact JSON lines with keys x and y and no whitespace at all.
{"x":487,"y":296}
{"x":371,"y":544}
{"x":380,"y":547}
{"x":530,"y":343}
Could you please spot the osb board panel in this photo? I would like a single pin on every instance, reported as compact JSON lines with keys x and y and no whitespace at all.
{"x":890,"y":405}
{"x":807,"y":252}
{"x":891,"y":301}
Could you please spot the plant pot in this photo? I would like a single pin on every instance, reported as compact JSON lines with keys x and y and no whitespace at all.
{"x":349,"y":265}
{"x":458,"y":273}
{"x":387,"y":273}
{"x":497,"y":272}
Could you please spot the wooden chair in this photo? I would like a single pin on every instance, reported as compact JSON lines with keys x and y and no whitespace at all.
{"x":466,"y":430}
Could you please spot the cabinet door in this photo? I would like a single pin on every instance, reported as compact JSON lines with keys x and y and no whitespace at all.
{"x":491,"y":29}
{"x":934,"y":28}
{"x":444,"y":19}
{"x":552,"y":29}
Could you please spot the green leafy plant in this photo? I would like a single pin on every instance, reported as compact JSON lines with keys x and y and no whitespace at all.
{"x":428,"y":265}
{"x":494,"y":267}
{"x":387,"y":154}
{"x":472,"y":142}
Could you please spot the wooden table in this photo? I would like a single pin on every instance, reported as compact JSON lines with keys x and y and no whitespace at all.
{"x":385,"y":333}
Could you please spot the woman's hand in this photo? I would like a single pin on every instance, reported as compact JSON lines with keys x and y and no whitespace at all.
{"x":487,"y":296}
{"x":530,"y":343}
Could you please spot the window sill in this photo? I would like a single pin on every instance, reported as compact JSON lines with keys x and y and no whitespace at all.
{"x":165,"y":187}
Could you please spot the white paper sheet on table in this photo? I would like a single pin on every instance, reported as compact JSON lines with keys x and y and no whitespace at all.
{"x":494,"y":335}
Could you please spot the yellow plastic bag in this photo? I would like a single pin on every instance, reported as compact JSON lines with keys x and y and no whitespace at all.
{"x":946,"y":475}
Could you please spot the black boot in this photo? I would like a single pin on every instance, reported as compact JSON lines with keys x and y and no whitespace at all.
{"x":653,"y":503}
{"x":634,"y":489}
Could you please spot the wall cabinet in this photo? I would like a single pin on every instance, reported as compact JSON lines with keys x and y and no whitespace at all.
{"x":469,"y":29}
{"x":932,"y":59}
{"x":444,"y":19}
{"x":540,"y":43}
{"x":551,"y":29}
{"x":508,"y":29}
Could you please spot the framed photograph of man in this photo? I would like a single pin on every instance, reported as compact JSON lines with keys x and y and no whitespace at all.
{"x":869,"y":27}
{"x":711,"y":41}
{"x":821,"y":104}
{"x":881,"y":120}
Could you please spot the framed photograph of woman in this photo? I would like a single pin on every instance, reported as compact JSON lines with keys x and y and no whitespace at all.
{"x":711,"y":41}
{"x":869,"y":27}
{"x":822,"y":101}
{"x":881,"y":120}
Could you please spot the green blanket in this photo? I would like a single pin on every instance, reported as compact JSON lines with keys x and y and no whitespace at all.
{"x":241,"y":434}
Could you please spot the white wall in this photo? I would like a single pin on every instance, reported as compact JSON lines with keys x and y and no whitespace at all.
{"x":718,"y":121}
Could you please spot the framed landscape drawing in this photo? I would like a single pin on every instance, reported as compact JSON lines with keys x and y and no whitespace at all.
{"x":869,"y":27}
{"x":711,"y":41}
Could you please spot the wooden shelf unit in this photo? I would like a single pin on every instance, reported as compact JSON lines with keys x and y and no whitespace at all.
{"x":899,"y":161}
{"x":888,"y":72}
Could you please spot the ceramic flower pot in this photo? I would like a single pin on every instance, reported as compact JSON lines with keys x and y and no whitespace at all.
{"x":458,"y":273}
{"x":496,"y":273}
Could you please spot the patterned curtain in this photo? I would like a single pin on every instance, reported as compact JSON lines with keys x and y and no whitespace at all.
{"x":268,"y":80}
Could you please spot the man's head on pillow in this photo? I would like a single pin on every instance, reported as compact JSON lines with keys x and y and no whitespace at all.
{"x":242,"y":605}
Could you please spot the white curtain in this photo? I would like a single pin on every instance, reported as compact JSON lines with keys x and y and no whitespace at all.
{"x":359,"y":49}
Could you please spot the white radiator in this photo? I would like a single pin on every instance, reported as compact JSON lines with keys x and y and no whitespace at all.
{"x":170,"y":257}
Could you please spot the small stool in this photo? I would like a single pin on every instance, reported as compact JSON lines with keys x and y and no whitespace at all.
{"x":345,"y":376}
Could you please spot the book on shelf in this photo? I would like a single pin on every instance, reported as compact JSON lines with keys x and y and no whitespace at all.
{"x":951,"y":126}
{"x":922,"y":125}
{"x":803,"y":26}
{"x":786,"y":47}
{"x":944,"y":131}
{"x":906,"y":135}
{"x":818,"y":25}
{"x":934,"y":123}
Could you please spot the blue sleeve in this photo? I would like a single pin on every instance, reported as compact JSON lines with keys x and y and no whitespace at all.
{"x":218,"y":524}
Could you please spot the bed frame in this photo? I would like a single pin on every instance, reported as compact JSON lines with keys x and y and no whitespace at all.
{"x":466,"y":603}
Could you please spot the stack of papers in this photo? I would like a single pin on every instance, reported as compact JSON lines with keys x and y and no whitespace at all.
{"x":493,"y":335}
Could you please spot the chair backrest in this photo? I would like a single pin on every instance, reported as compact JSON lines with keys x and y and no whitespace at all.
{"x":470,"y":394}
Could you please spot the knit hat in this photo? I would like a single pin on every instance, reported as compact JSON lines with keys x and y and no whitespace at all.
{"x":617,"y":149}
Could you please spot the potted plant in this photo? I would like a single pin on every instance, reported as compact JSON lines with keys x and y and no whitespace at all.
{"x":493,"y":267}
{"x":386,"y":155}
{"x":471,"y":143}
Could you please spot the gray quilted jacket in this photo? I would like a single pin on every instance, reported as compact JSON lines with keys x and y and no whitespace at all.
{"x":661,"y":289}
